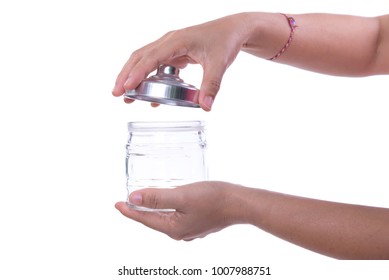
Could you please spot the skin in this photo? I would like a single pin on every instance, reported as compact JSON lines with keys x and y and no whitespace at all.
{"x":340,"y":45}
{"x":332,"y":44}
{"x":337,"y":230}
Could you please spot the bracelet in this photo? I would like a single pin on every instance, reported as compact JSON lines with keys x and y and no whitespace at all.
{"x":292,"y":25}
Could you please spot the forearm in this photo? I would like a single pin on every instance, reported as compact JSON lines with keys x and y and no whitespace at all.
{"x":338,"y":230}
{"x":326,"y":43}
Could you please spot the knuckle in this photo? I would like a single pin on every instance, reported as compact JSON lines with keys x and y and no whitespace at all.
{"x":137,"y":54}
{"x":213,"y":86}
{"x":151,"y":58}
{"x":170,"y":33}
{"x":153,"y":201}
{"x":176,"y":235}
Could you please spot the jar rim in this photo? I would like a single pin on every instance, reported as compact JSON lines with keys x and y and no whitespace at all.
{"x":165,"y":125}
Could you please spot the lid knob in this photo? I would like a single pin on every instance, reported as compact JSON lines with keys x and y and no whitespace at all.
{"x":166,"y":87}
{"x":167,"y":69}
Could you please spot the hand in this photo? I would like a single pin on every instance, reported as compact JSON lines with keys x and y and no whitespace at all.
{"x":214,"y":45}
{"x":206,"y":207}
{"x":201,"y":208}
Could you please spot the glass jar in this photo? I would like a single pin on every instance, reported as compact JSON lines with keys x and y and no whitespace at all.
{"x":165,"y":155}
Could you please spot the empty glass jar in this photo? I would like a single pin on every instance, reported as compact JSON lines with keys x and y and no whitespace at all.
{"x":165,"y":154}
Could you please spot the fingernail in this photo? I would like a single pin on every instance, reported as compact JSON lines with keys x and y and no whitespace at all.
{"x":208,"y":101}
{"x":128,"y":82}
{"x":136,"y":198}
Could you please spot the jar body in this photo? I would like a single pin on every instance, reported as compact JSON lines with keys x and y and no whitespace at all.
{"x":164,"y":155}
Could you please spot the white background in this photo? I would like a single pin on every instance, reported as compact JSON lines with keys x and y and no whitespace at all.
{"x":272,"y":126}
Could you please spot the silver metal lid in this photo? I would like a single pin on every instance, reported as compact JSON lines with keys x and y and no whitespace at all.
{"x":166,"y":87}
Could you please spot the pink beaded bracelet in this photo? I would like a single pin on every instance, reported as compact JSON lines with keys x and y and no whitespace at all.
{"x":292,"y":25}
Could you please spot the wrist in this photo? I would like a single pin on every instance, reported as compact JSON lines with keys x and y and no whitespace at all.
{"x":267,"y":33}
{"x":238,"y":204}
{"x":246,"y":205}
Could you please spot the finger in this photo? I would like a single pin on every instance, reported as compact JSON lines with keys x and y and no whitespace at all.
{"x":181,"y":62}
{"x":125,"y":73}
{"x":155,"y":220}
{"x":157,"y":198}
{"x":118,"y":89}
{"x":154,"y":105}
{"x":128,"y":100}
{"x":137,"y":74}
{"x":145,"y":60}
{"x":210,"y":85}
{"x":150,"y":57}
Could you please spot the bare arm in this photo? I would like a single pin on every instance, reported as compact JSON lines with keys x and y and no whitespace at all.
{"x":337,"y":230}
{"x":326,"y":43}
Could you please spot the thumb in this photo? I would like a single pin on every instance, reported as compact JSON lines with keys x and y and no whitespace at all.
{"x":156,"y":198}
{"x":210,"y":86}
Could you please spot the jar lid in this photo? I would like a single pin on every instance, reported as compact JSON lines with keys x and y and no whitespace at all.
{"x":166,"y":87}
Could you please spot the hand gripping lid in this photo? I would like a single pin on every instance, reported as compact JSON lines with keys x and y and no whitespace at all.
{"x":166,"y":87}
